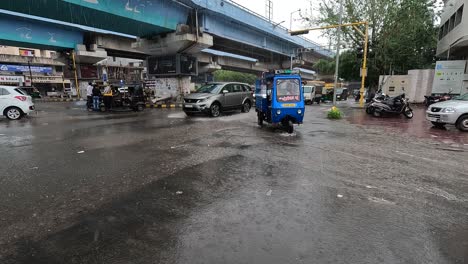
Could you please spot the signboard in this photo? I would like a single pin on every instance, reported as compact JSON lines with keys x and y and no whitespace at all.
{"x":188,"y":65}
{"x":26,"y":53}
{"x":173,"y":65}
{"x":46,"y":79}
{"x":88,"y":72}
{"x":166,"y":65}
{"x":23,"y":68}
{"x":11,"y":79}
{"x":449,"y":77}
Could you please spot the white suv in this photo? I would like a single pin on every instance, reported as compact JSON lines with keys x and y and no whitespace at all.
{"x":453,"y":112}
{"x":14,"y":102}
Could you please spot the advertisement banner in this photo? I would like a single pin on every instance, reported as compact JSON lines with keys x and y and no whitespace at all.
{"x":26,"y":53}
{"x":89,"y":72}
{"x":449,"y":77}
{"x":25,"y":68}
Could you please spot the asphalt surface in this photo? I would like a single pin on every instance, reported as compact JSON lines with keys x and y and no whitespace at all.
{"x":158,"y":187}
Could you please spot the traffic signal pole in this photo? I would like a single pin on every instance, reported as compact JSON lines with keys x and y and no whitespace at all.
{"x":365,"y":35}
{"x":76,"y":75}
{"x":364,"y":66}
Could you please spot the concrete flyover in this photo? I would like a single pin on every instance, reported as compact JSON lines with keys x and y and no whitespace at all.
{"x":221,"y":33}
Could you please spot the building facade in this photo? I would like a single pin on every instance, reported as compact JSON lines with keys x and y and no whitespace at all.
{"x":453,"y":42}
{"x":31,"y":67}
{"x":453,"y":32}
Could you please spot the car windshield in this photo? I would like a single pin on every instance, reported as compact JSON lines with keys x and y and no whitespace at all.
{"x":307,"y":89}
{"x":462,"y":97}
{"x":288,"y":90}
{"x":210,"y":88}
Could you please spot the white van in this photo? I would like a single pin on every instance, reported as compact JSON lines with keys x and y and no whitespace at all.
{"x":309,"y":94}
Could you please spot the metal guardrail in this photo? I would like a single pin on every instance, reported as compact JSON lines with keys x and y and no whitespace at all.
{"x":274,"y":24}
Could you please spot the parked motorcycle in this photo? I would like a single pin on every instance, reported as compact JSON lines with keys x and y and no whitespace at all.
{"x":379,"y":97}
{"x":432,"y":99}
{"x":392,"y":105}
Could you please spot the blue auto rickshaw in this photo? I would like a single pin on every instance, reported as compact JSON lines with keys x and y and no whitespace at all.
{"x":279,"y":99}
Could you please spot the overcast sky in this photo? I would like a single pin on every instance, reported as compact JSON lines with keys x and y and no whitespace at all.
{"x":282,"y":12}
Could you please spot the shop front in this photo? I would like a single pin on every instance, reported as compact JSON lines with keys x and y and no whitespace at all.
{"x":51,"y":85}
{"x":12,"y":80}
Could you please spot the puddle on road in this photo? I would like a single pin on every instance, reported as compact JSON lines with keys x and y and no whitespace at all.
{"x":418,"y":126}
{"x":180,"y":115}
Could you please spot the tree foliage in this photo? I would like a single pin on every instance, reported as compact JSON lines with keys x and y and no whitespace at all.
{"x":325,"y":67}
{"x":232,"y":76}
{"x":402,"y":35}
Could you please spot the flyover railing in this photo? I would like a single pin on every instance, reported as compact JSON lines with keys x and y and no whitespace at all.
{"x":317,"y":45}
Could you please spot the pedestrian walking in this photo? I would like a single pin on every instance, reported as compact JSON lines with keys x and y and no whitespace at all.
{"x":96,"y":97}
{"x":89,"y":95}
{"x":108,"y":97}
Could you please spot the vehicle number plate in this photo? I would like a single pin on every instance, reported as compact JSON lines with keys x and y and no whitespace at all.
{"x":289,"y":105}
{"x":433,"y":119}
{"x":188,"y":106}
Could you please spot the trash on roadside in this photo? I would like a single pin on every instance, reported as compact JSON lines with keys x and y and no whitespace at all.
{"x":34,"y":168}
{"x":80,"y":152}
{"x":179,"y":192}
{"x":339,"y":196}
{"x":269,"y":193}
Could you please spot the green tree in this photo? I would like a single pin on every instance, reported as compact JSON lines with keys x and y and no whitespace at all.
{"x":402,"y":35}
{"x":325,"y":67}
{"x":350,"y":66}
{"x":232,"y":76}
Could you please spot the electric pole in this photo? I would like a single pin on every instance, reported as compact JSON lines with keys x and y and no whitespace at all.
{"x":338,"y":52}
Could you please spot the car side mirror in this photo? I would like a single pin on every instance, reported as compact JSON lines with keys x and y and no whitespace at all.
{"x":225,"y":91}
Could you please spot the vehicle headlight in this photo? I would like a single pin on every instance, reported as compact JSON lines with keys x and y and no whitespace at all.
{"x":201,"y":100}
{"x":299,"y":111}
{"x":278,"y":112}
{"x":448,"y":110}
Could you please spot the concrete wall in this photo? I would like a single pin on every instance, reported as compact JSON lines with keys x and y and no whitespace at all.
{"x":415,"y":85}
{"x":171,"y":87}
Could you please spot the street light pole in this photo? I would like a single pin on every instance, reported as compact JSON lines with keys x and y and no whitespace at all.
{"x":291,"y":19}
{"x":30,"y":72}
{"x":337,"y":66}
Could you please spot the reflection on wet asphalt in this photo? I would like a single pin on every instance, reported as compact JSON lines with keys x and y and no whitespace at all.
{"x":416,"y":127}
{"x":158,"y":187}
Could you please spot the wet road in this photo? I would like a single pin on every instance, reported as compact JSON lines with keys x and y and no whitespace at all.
{"x":157,"y":187}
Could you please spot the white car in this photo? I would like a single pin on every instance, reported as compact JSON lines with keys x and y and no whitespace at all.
{"x":14,"y":102}
{"x":453,"y":112}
